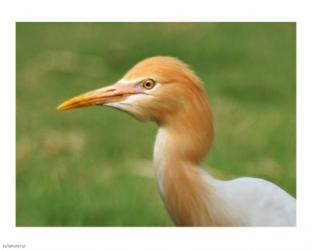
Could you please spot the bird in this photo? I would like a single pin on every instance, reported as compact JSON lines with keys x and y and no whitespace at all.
{"x":165,"y":90}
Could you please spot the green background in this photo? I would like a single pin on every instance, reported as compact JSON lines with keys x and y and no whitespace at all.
{"x":93,"y":166}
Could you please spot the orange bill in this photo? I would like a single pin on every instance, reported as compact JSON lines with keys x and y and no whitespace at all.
{"x":102,"y":96}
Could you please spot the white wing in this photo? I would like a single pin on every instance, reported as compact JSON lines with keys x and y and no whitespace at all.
{"x":259,"y":202}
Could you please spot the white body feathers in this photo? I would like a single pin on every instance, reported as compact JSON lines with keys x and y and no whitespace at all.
{"x":240,"y":202}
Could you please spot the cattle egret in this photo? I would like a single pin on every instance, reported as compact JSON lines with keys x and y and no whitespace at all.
{"x":165,"y":90}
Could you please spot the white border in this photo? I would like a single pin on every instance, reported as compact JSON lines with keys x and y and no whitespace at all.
{"x":154,"y":238}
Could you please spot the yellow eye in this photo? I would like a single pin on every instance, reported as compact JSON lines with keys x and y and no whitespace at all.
{"x":148,"y":84}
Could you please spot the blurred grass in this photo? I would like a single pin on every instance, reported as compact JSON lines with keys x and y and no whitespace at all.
{"x":92,"y":167}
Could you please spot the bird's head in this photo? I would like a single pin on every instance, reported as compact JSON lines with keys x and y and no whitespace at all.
{"x":156,"y":88}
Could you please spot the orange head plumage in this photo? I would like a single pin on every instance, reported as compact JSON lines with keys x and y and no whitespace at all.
{"x":162,"y":89}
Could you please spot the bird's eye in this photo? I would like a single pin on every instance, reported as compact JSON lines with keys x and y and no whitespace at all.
{"x":148,"y":84}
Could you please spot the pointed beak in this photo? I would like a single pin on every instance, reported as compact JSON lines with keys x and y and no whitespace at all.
{"x":102,"y":96}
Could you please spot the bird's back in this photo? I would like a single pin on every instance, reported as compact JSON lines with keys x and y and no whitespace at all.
{"x":258,"y":202}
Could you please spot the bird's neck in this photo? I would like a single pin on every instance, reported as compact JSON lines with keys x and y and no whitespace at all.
{"x":180,"y":146}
